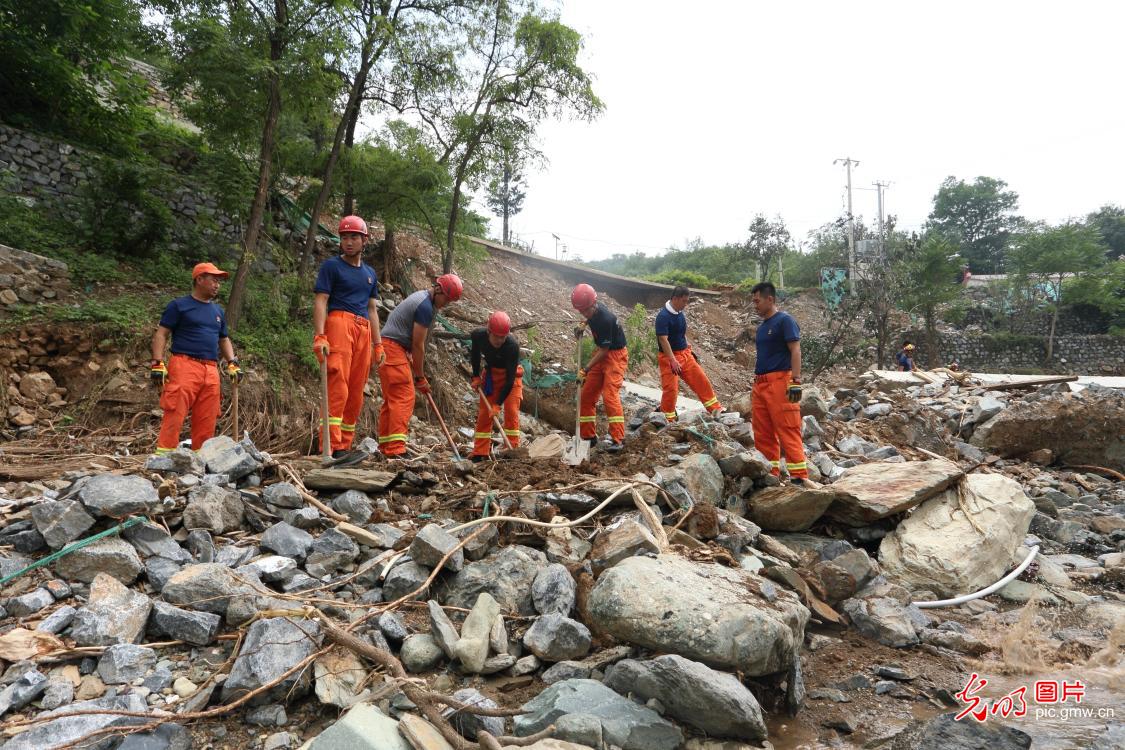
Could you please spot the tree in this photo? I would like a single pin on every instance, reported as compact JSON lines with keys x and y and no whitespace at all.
{"x":506,"y":194}
{"x":507,"y":70}
{"x":980,"y":217}
{"x":1109,"y":220}
{"x":767,"y":243}
{"x":929,"y":277}
{"x":1045,"y":255}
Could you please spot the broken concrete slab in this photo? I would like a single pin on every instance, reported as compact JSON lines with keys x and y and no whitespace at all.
{"x":872,"y":491}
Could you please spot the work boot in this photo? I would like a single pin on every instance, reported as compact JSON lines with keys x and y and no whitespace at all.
{"x":612,"y":446}
{"x":347,"y":457}
{"x":477,"y":459}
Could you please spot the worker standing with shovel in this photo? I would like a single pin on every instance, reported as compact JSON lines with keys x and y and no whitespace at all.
{"x":346,"y":331}
{"x":500,"y":386}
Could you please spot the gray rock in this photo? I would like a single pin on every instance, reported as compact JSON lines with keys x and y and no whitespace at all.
{"x":431,"y":544}
{"x":1113,"y":738}
{"x":442,"y":628}
{"x":886,"y":620}
{"x":124,"y":662}
{"x":111,"y":556}
{"x":854,"y":446}
{"x":113,"y":614}
{"x":287,"y":541}
{"x":272,"y":647}
{"x":472,"y":649}
{"x":556,"y":637}
{"x":29,"y":603}
{"x":224,"y":456}
{"x":387,"y":535}
{"x":945,"y":733}
{"x":393,"y":626}
{"x":113,"y":496}
{"x":58,"y":621}
{"x":403,"y":579}
{"x":749,"y":464}
{"x":215,"y":509}
{"x":703,"y":612}
{"x":507,"y":575}
{"x":363,"y":727}
{"x":715,"y":703}
{"x":232,"y":556}
{"x":158,"y":570}
{"x":61,"y":522}
{"x":497,"y":663}
{"x":271,"y":569}
{"x":987,"y":408}
{"x":151,"y":540}
{"x":202,"y":546}
{"x":179,"y":461}
{"x":625,"y":537}
{"x":702,"y":478}
{"x":164,"y":737}
{"x":58,"y":693}
{"x":553,"y":590}
{"x":206,"y":587}
{"x":302,"y":518}
{"x":420,"y":653}
{"x":331,"y":551}
{"x":623,"y":722}
{"x":876,"y":410}
{"x":283,"y":495}
{"x":566,"y":670}
{"x":526,"y":665}
{"x":23,"y":690}
{"x":272,"y":715}
{"x":469,"y":724}
{"x":198,"y":628}
{"x":64,"y":730}
{"x":354,"y":504}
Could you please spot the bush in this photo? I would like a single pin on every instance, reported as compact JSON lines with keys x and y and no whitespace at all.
{"x":639,"y":336}
{"x":687,"y":278}
{"x":122,"y":214}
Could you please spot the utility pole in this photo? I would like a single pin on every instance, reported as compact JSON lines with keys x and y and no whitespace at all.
{"x":880,"y":187}
{"x":848,"y":162}
{"x":556,"y":245}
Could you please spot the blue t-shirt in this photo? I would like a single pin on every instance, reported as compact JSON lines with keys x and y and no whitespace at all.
{"x":903,"y":360}
{"x":674,"y":326}
{"x":606,"y":330}
{"x":348,"y":287}
{"x":196,"y":327}
{"x":772,"y":343}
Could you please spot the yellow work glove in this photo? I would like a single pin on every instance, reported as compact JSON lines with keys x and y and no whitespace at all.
{"x":234,"y":372}
{"x":157,"y":372}
{"x":794,"y":392}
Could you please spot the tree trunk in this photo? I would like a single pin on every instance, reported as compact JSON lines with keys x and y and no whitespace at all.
{"x":389,"y":255}
{"x":931,"y":340}
{"x":1054,"y":322}
{"x":354,"y":97}
{"x":507,"y":179}
{"x":265,"y":159}
{"x":349,"y":141}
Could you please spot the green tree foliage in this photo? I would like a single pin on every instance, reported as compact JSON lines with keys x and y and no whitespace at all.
{"x":63,"y":69}
{"x":766,"y":244}
{"x":639,"y":337}
{"x":980,"y":216}
{"x":506,"y":193}
{"x":1104,"y":290}
{"x":689,"y":279}
{"x":930,"y":275}
{"x":1046,"y":254}
{"x":1109,"y":220}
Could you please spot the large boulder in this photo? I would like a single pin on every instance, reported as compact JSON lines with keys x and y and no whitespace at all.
{"x":618,"y":720}
{"x":928,"y":549}
{"x":206,"y":587}
{"x":213,"y":508}
{"x":113,"y":614}
{"x":715,"y":703}
{"x":872,"y":491}
{"x":112,"y":555}
{"x":790,"y":507}
{"x":705,"y":612}
{"x":224,"y":456}
{"x":116,"y":496}
{"x":703,"y":478}
{"x":507,"y":575}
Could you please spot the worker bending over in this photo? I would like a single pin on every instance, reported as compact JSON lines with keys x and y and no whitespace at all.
{"x":677,"y":360}
{"x":775,"y":405}
{"x":604,"y":374}
{"x":346,"y":329}
{"x":402,"y":372}
{"x":190,"y":381}
{"x":502,"y":382}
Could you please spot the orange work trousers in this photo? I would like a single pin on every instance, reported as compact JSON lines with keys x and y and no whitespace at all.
{"x":604,"y":379}
{"x":349,"y":364}
{"x":777,"y":424}
{"x":397,"y":379}
{"x":192,"y":386}
{"x":693,"y":375}
{"x":482,"y":437}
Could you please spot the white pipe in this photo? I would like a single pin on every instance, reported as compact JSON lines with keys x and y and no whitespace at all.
{"x":985,"y":591}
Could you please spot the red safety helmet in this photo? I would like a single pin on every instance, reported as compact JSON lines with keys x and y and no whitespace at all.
{"x":451,"y":286}
{"x":353,"y":224}
{"x":583,"y":296}
{"x":499,"y":324}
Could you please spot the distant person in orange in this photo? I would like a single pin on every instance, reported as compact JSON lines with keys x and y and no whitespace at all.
{"x":501,"y":382}
{"x":604,"y":374}
{"x":677,"y":360}
{"x":346,"y":327}
{"x":775,"y":405}
{"x":403,"y":373}
{"x":190,"y":381}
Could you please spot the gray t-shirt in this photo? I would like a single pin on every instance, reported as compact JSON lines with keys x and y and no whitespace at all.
{"x":417,"y":308}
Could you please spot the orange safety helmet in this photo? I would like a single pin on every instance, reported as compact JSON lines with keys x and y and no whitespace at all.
{"x":499,"y":324}
{"x":583,"y":296}
{"x":353,"y":224}
{"x":451,"y":286}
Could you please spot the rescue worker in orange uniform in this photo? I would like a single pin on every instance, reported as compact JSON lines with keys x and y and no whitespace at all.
{"x":604,"y":374}
{"x":775,"y":405}
{"x":502,"y":382}
{"x":190,"y":381}
{"x":402,"y":374}
{"x":677,"y":360}
{"x":346,"y":327}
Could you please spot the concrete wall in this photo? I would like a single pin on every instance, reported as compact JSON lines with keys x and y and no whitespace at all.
{"x":1073,"y":354}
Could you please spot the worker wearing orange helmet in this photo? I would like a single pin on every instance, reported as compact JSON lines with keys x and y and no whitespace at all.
{"x":346,"y":328}
{"x":502,"y":382}
{"x":190,"y":381}
{"x":604,"y":374}
{"x":402,"y":374}
{"x":677,"y":360}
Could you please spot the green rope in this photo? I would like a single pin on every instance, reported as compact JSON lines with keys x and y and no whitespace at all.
{"x":488,"y":502}
{"x":707,"y":439}
{"x":74,"y":546}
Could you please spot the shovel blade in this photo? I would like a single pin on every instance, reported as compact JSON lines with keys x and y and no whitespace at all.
{"x":577,"y":452}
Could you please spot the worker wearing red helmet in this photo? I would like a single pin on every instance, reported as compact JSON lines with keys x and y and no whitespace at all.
{"x":502,"y":381}
{"x":604,"y":374}
{"x":402,"y":375}
{"x":346,"y":328}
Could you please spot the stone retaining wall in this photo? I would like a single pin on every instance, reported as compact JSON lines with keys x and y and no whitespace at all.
{"x":1079,"y":355}
{"x":29,"y":278}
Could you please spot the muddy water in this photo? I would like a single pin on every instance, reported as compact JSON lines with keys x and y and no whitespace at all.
{"x":1063,"y":726}
{"x":786,"y":734}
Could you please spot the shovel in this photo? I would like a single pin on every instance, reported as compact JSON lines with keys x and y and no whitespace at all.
{"x":444,"y":429}
{"x":325,"y":433}
{"x":496,"y":421}
{"x":579,"y":449}
{"x":234,"y":406}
